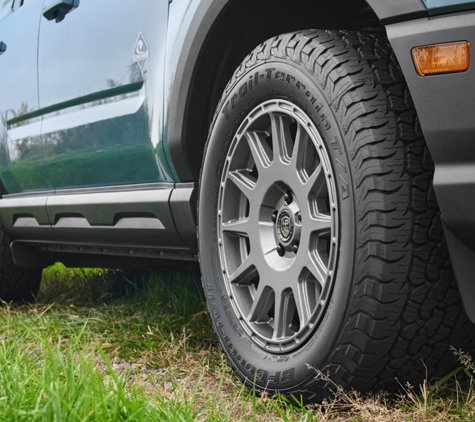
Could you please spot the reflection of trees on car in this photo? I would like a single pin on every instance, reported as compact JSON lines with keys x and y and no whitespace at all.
{"x":111,"y":140}
{"x":66,"y":151}
{"x":28,"y":148}
{"x":21,"y":160}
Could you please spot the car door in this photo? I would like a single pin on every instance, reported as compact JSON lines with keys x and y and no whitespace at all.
{"x":100,"y":91}
{"x":21,"y":149}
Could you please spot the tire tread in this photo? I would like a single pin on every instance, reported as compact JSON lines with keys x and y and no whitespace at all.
{"x":401,"y":249}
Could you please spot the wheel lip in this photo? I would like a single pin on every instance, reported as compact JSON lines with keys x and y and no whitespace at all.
{"x":300,"y":338}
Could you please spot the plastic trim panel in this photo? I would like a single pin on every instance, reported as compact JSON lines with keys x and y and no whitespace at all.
{"x":445,"y":106}
{"x":390,"y":11}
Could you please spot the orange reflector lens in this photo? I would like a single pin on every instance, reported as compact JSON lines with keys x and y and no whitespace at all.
{"x":442,"y":58}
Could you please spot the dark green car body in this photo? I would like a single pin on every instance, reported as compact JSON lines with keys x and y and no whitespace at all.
{"x":86,"y":116}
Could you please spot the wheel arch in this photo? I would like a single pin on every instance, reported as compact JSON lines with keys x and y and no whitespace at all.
{"x":220,"y":35}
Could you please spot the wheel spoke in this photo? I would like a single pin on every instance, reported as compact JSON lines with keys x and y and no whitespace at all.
{"x":317,"y":178}
{"x":302,"y":303}
{"x":260,"y":150}
{"x":263,"y":301}
{"x":320,"y":223}
{"x":300,"y":148}
{"x":282,"y":144}
{"x":239,"y":227}
{"x":245,"y":273}
{"x":243,"y":181}
{"x":318,"y":270}
{"x":284,"y":308}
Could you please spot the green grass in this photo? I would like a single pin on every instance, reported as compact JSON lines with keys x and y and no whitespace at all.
{"x":103,"y":346}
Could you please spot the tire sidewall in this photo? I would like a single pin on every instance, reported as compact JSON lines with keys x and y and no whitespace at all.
{"x":276,"y":79}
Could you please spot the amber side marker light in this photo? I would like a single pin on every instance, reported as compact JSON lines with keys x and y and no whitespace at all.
{"x":442,"y":58}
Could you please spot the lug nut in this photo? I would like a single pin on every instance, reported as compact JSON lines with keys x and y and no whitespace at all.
{"x":288,"y":198}
{"x":299,"y":217}
{"x":274,"y":216}
{"x":296,"y":248}
{"x":280,"y":250}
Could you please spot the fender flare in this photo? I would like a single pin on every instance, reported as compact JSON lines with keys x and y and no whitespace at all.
{"x":198,"y":22}
{"x":201,"y":22}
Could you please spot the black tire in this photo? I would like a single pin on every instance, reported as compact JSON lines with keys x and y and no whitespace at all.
{"x":17,"y":284}
{"x":392,"y":308}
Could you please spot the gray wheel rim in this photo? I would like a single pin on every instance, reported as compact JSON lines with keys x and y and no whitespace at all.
{"x":278,"y":226}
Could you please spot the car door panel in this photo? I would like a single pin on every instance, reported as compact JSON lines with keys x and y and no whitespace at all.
{"x":101,"y":93}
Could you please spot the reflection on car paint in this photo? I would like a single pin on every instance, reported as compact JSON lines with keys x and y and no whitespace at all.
{"x":101,"y":98}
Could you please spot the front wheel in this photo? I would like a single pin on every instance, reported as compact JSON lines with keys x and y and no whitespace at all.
{"x":320,"y":239}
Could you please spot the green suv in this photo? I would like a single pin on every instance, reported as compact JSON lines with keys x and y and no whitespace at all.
{"x":316,"y":157}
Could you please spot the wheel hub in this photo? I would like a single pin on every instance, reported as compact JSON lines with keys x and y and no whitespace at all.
{"x":288,"y":225}
{"x":285,"y":226}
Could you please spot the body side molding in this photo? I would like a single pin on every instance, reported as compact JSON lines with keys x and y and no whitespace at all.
{"x":117,"y":215}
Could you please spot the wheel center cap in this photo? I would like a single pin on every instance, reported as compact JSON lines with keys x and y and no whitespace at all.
{"x":285,"y":226}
